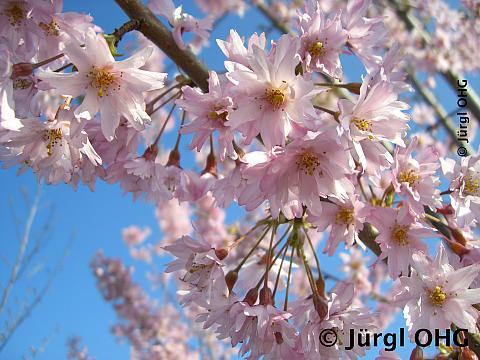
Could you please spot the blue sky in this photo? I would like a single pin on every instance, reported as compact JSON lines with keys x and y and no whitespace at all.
{"x":73,"y":303}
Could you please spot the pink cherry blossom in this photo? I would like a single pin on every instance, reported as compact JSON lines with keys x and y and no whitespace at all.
{"x":376,"y":116}
{"x":112,"y":87}
{"x":341,"y":317}
{"x":210,"y":111}
{"x":236,"y":52}
{"x":437,"y":295}
{"x":346,"y":218}
{"x":322,"y":41}
{"x":270,"y":99}
{"x":364,"y":33}
{"x":307,"y":168}
{"x":54,"y":150}
{"x":180,"y":21}
{"x":134,"y":236}
{"x":464,"y":180}
{"x":399,"y":237}
{"x":414,"y":178}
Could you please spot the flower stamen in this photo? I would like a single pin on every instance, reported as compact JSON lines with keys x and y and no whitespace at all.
{"x":315,"y":48}
{"x":437,"y":296}
{"x":53,"y":137}
{"x":276,"y":97}
{"x":51,"y":29}
{"x":308,"y":162}
{"x":408,"y":176}
{"x":400,"y":235}
{"x":344,"y":216}
{"x":15,"y":13}
{"x":103,"y":80}
{"x":471,"y":185}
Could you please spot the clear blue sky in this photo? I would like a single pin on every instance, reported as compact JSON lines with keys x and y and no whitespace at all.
{"x":73,"y":303}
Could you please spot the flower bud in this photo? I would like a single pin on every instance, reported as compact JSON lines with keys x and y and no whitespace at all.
{"x":458,"y":249}
{"x":231,"y":278}
{"x":467,"y":354}
{"x":251,"y":297}
{"x":354,"y":87}
{"x":458,"y":236}
{"x":446,"y":210}
{"x":320,"y":305}
{"x":150,"y":153}
{"x":266,"y":297}
{"x":149,"y":108}
{"x":211,"y":166}
{"x":174,"y":158}
{"x":221,"y":253}
{"x":320,"y":282}
{"x":22,"y":69}
{"x":417,"y":354}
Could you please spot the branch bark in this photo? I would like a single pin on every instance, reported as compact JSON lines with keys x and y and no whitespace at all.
{"x":153,"y":29}
{"x":451,"y":78}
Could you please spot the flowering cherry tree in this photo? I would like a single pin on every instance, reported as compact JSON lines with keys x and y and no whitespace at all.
{"x":321,"y":166}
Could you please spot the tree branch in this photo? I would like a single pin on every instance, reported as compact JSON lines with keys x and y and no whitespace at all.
{"x":153,"y":29}
{"x":406,"y":15}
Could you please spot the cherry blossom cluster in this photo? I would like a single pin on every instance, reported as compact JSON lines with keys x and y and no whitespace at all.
{"x":309,"y":156}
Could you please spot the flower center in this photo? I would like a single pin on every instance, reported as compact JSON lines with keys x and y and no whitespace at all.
{"x":362,"y":124}
{"x":103,"y":80}
{"x":400,"y":235}
{"x":21,"y":84}
{"x":51,"y":29}
{"x":471,"y":185}
{"x":437,"y":296}
{"x":15,"y":14}
{"x":219,"y":116}
{"x":407,"y":176}
{"x":308,"y":162}
{"x":52,"y":137}
{"x":315,"y":48}
{"x":276,"y":97}
{"x":344,"y":216}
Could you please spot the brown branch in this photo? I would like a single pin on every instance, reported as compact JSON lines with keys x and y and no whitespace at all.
{"x":153,"y":29}
{"x":452,"y":78}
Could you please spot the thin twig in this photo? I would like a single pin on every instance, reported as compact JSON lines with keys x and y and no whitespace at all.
{"x":23,"y":246}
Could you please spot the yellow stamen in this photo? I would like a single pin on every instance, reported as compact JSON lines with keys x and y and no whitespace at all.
{"x":400,"y":235}
{"x":344,"y":216}
{"x":316,"y":48}
{"x":437,"y":296}
{"x":15,"y":13}
{"x":53,"y":137}
{"x":103,"y":80}
{"x":51,"y":29}
{"x":221,"y":116}
{"x":308,"y":162}
{"x":362,"y":124}
{"x":471,"y":185}
{"x":22,"y":84}
{"x":408,"y":176}
{"x":276,"y":97}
